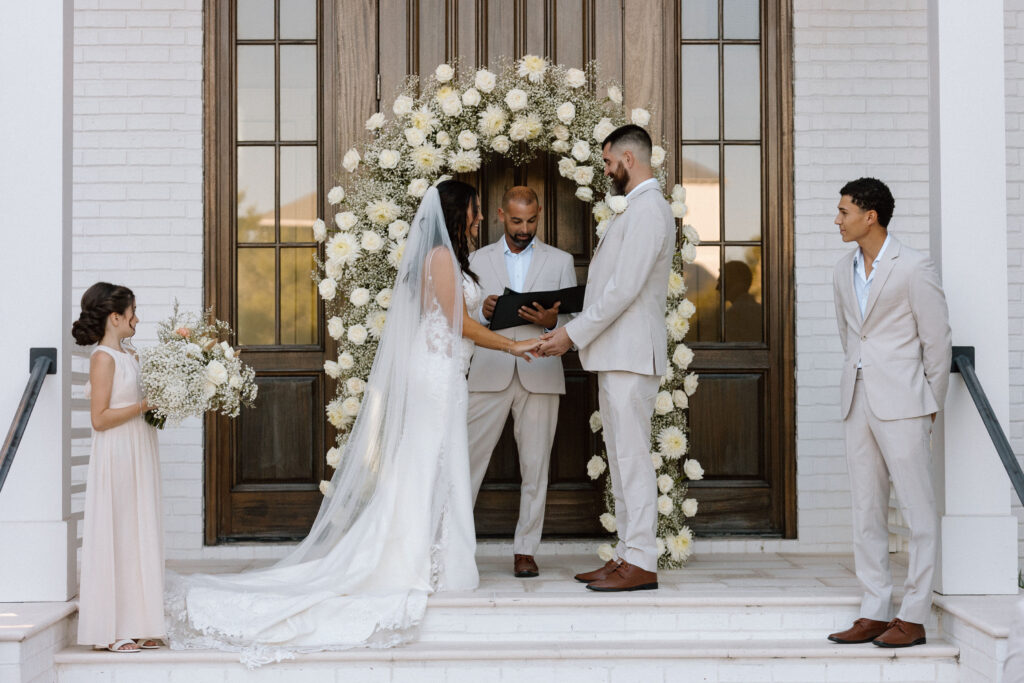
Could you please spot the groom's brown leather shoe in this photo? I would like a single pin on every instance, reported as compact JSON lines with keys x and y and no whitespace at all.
{"x":523,"y":566}
{"x":901,"y":634}
{"x":626,"y":577}
{"x":863,"y":631}
{"x":598,"y":574}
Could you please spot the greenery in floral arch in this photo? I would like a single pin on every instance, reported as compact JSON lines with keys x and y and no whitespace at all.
{"x":449,"y":123}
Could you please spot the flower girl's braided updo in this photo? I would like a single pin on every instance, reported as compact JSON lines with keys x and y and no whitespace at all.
{"x":98,"y":302}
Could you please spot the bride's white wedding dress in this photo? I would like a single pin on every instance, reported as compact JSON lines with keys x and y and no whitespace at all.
{"x":399,"y":522}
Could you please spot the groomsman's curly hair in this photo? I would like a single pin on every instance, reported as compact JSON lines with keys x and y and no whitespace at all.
{"x":871,"y":194}
{"x":634,"y":137}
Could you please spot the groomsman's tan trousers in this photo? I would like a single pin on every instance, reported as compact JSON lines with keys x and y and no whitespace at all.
{"x":535,"y":417}
{"x":877,"y":451}
{"x":627,"y":404}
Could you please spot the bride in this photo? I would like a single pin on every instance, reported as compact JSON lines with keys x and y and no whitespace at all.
{"x":397,"y":522}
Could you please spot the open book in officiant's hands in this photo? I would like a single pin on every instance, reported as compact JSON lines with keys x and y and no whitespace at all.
{"x":506,"y":309}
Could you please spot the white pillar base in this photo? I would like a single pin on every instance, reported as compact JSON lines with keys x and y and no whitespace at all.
{"x":41,"y":563}
{"x":979,"y":555}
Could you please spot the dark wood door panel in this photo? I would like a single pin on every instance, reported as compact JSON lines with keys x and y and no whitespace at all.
{"x":279,"y":437}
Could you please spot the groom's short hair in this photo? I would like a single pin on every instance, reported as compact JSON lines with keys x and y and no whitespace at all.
{"x":633,"y":138}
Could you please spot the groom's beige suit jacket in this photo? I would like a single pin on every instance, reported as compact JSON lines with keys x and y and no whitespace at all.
{"x":903,"y":342}
{"x":622,"y":325}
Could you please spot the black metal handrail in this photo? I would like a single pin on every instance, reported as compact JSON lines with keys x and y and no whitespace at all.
{"x":963,"y":362}
{"x":42,"y":362}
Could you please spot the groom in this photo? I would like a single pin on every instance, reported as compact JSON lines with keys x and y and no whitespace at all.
{"x":621,"y":336}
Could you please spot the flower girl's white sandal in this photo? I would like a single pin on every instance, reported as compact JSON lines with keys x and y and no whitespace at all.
{"x":116,"y":647}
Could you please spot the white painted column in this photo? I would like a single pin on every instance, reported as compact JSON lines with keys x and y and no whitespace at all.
{"x":968,"y":242}
{"x":36,"y":536}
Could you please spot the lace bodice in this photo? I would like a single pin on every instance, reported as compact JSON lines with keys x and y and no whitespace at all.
{"x":474,"y":297}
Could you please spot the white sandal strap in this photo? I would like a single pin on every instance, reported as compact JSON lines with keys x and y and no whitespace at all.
{"x":116,"y":647}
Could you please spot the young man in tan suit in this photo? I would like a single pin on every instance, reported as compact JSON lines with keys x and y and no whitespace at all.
{"x":621,"y":336}
{"x":894,"y":328}
{"x":500,"y":383}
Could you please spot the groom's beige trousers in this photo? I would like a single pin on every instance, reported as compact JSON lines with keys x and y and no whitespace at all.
{"x":535,"y":417}
{"x":877,"y":451}
{"x":626,"y":400}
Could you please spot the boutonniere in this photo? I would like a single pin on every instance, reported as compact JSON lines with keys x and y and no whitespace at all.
{"x":617,"y":203}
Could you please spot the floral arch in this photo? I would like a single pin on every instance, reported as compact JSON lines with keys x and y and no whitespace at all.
{"x":446,"y":124}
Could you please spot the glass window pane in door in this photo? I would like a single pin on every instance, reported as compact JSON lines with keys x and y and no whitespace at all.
{"x":298,"y":19}
{"x":255,"y":92}
{"x":298,"y":92}
{"x":700,"y":92}
{"x":741,"y":19}
{"x":699,"y":19}
{"x":701,"y":278}
{"x":298,"y":296}
{"x":742,"y":192}
{"x":741,"y":289}
{"x":701,"y":180}
{"x":742,"y":92}
{"x":256,"y":296}
{"x":298,"y":193}
{"x":255,"y":19}
{"x":255,"y":194}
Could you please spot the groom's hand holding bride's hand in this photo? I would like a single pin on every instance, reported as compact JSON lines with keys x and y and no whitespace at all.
{"x":555,"y":343}
{"x":525,"y":349}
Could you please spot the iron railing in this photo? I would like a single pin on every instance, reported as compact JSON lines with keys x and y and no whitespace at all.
{"x":42,"y":362}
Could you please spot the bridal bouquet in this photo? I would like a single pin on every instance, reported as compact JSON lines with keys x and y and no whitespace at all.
{"x":191,"y":371}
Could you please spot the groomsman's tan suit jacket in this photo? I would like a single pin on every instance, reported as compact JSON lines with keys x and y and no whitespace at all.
{"x":550,"y":268}
{"x":903,"y":343}
{"x":622,"y":326}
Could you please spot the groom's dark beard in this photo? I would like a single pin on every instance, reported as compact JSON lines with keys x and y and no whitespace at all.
{"x":620,"y":179}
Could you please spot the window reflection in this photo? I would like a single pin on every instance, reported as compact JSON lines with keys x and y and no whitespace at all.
{"x":743,"y":313}
{"x":256,"y":295}
{"x":298,"y":193}
{"x":298,"y":297}
{"x":701,"y":278}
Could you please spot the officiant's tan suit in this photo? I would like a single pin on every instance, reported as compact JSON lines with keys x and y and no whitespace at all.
{"x":903,"y":345}
{"x":500,"y":383}
{"x":621,"y":336}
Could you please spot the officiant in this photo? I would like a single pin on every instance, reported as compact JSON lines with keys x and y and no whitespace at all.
{"x":500,"y":383}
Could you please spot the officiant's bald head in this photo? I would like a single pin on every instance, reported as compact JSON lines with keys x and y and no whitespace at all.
{"x":520,"y":214}
{"x":520,"y":194}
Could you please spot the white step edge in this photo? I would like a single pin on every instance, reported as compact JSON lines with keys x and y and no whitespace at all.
{"x":584,"y":599}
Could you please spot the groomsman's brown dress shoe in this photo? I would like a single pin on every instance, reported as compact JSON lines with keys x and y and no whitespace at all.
{"x":524,"y":566}
{"x":598,"y":574}
{"x":862,"y":631}
{"x":626,"y":577}
{"x":901,"y":634}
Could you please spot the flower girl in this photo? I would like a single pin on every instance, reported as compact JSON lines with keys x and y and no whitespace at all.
{"x":121,"y":595}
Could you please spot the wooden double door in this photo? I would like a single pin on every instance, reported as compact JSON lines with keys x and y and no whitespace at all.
{"x":365,"y":51}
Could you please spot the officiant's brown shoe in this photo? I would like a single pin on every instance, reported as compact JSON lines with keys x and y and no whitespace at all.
{"x":862,"y":631}
{"x":598,"y":574}
{"x":626,"y":577}
{"x":901,"y":634}
{"x":524,"y":567}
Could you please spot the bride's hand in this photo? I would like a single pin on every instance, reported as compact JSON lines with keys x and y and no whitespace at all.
{"x":526,"y":349}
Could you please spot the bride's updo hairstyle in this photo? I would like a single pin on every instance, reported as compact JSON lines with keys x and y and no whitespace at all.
{"x":98,"y":302}
{"x":456,"y":198}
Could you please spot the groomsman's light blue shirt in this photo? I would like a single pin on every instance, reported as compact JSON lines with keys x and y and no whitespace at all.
{"x":517,"y":265}
{"x":862,"y":282}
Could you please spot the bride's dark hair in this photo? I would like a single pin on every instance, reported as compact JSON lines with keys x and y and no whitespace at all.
{"x":98,"y":302}
{"x":456,"y":198}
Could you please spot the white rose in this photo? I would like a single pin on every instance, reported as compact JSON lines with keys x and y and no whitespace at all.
{"x":663,"y":403}
{"x":596,"y":467}
{"x":384,"y":298}
{"x":575,"y":78}
{"x":600,"y":229}
{"x":686,"y":308}
{"x":595,"y":421}
{"x":615,"y":94}
{"x":583,"y":175}
{"x":443,"y":139}
{"x":640,"y":117}
{"x":209,"y":389}
{"x":235,"y":382}
{"x":335,"y":327}
{"x":451,"y":106}
{"x":360,"y":296}
{"x":603,"y":129}
{"x":216,"y":372}
{"x":682,"y":356}
{"x":566,"y":167}
{"x":444,"y":73}
{"x":693,"y":470}
{"x":418,"y":187}
{"x":335,"y":195}
{"x":371,"y":241}
{"x":357,"y":334}
{"x":609,"y":522}
{"x":560,"y":146}
{"x":229,"y":352}
{"x":678,"y":209}
{"x":661,"y":545}
{"x":414,"y":136}
{"x":665,"y":505}
{"x":691,"y":235}
{"x":680,"y":399}
{"x":656,"y":460}
{"x":566,"y":112}
{"x":332,"y":369}
{"x":605,"y":552}
{"x":346,"y":220}
{"x":350,"y":406}
{"x":355,"y":386}
{"x":398,"y":229}
{"x":617,"y":203}
{"x":374,"y":122}
{"x":584,"y":193}
{"x":657,"y":156}
{"x":581,"y":150}
{"x":326,"y":488}
{"x":471,"y":97}
{"x":346,"y":360}
{"x":485,"y":80}
{"x":560,"y":132}
{"x":402,"y":106}
{"x":689,"y":507}
{"x":690,"y":383}
{"x":467,"y":139}
{"x":665,"y":483}
{"x":351,"y":160}
{"x":327,"y":288}
{"x":319,"y":230}
{"x":334,"y":457}
{"x":516,"y":99}
{"x":678,"y":193}
{"x":501,"y":144}
{"x":388,"y":158}
{"x":688,"y":252}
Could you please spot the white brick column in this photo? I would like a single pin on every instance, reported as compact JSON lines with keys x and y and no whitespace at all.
{"x":36,"y":536}
{"x":968,"y":242}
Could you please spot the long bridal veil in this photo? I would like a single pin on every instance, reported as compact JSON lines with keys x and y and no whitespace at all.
{"x":393,"y":526}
